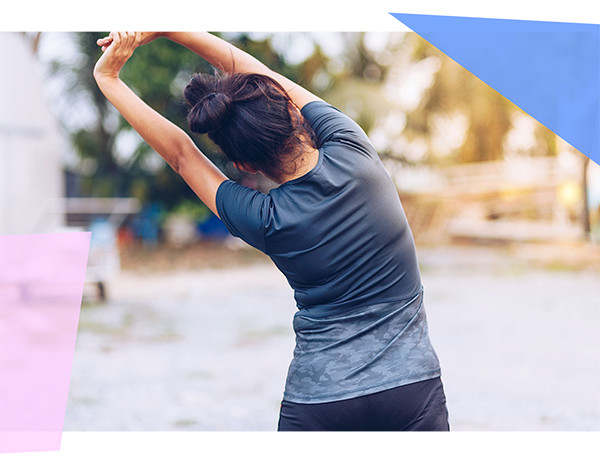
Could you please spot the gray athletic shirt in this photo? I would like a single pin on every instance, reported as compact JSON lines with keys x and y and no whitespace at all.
{"x":340,"y":236}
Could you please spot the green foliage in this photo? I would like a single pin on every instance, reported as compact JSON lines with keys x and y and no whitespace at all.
{"x":159,"y":71}
{"x":193,"y":210}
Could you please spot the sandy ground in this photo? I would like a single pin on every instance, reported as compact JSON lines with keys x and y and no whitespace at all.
{"x":517,"y":333}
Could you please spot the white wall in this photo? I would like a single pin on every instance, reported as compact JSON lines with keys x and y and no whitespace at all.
{"x":31,"y":180}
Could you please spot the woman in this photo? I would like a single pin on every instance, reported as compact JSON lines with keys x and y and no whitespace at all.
{"x":334,"y":226}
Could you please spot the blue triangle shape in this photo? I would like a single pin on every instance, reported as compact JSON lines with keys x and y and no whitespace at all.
{"x":551,"y":70}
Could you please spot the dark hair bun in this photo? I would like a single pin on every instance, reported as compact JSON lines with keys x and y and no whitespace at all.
{"x":209,"y":112}
{"x":251,"y":118}
{"x":209,"y":106}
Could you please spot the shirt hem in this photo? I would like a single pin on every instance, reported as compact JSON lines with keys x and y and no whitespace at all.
{"x":363,"y":391}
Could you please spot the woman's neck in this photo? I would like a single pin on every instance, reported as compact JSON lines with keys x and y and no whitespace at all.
{"x":301,"y":165}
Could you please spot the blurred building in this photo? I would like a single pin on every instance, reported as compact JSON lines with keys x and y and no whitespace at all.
{"x":31,"y":142}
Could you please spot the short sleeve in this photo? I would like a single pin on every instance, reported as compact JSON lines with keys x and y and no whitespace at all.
{"x":244,"y":212}
{"x":332,"y":125}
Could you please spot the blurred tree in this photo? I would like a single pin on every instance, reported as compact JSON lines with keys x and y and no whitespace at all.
{"x":93,"y":139}
{"x":357,"y":89}
{"x":488,"y":113}
{"x":405,"y":93}
{"x":455,"y":88}
{"x":121,"y":163}
{"x":355,"y":81}
{"x":157,"y":72}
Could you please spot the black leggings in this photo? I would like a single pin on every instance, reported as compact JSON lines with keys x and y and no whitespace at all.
{"x":419,"y":406}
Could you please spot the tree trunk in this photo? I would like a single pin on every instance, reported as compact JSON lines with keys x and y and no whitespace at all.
{"x":586,"y":209}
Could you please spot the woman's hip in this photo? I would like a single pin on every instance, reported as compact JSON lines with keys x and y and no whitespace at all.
{"x":419,"y":406}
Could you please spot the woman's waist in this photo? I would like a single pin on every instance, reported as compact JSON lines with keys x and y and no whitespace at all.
{"x":372,"y":301}
{"x":329,"y":326}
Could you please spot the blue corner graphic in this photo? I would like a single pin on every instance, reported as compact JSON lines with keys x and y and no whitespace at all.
{"x":551,"y":70}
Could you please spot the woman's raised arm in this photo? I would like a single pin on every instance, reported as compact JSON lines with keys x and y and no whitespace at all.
{"x":167,"y":139}
{"x":228,"y":58}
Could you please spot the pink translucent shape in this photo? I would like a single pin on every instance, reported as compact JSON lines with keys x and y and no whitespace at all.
{"x":41,"y":286}
{"x":31,"y":445}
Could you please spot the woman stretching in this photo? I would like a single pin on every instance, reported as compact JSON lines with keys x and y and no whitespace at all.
{"x":334,"y":226}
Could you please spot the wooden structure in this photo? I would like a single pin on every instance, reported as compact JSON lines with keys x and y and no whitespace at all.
{"x":516,"y":200}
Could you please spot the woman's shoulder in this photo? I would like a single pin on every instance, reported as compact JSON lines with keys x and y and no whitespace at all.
{"x":331,"y":125}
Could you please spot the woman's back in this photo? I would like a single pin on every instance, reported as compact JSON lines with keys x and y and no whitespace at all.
{"x":340,"y":236}
{"x":338,"y":233}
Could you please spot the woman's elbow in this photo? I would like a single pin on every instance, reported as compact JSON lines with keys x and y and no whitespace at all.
{"x":179,"y":156}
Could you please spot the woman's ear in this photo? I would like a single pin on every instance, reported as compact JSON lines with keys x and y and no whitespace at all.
{"x":245,"y":167}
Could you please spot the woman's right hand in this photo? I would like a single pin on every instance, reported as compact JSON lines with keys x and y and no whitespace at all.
{"x":147,"y":37}
{"x":116,"y":54}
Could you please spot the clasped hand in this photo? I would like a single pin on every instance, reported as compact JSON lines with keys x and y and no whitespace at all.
{"x":117,"y":48}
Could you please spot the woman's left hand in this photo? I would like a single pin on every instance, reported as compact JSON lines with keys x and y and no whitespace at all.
{"x":117,"y":53}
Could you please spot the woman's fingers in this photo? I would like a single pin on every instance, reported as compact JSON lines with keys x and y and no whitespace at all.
{"x":116,"y":38}
{"x":118,"y":48}
{"x":129,"y":39}
{"x":121,"y":44}
{"x":104,"y":43}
